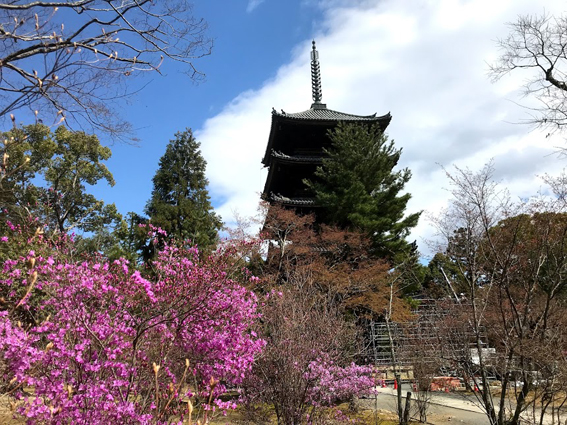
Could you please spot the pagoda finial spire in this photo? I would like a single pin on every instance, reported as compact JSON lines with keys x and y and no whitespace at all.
{"x":316,"y":76}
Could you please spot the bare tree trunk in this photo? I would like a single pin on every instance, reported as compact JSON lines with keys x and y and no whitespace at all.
{"x":399,"y":398}
{"x":406,"y":416}
{"x":394,"y":358}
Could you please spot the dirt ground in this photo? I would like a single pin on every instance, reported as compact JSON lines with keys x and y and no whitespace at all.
{"x":6,"y":414}
{"x":380,"y":411}
{"x":366,"y":416}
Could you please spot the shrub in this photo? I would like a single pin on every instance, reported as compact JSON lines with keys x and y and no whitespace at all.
{"x":108,"y":345}
{"x":307,"y":362}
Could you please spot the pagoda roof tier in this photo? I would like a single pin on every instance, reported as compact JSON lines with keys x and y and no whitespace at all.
{"x":286,"y":176}
{"x":319,"y":112}
{"x":317,"y":115}
{"x":292,"y":202}
{"x":296,"y":158}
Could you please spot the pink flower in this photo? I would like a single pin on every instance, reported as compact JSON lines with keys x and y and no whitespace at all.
{"x":92,"y":356}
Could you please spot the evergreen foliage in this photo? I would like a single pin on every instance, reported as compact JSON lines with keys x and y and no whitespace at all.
{"x":359,"y":189}
{"x":180,"y":202}
{"x":45,"y":176}
{"x":77,"y":161}
{"x":444,"y":278}
{"x":126,"y":239}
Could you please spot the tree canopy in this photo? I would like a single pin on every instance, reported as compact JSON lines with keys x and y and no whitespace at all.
{"x":45,"y":176}
{"x":505,"y":264}
{"x":358,"y":188}
{"x":180,"y":202}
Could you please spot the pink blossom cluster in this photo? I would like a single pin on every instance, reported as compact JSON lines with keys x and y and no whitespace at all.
{"x":111,"y":345}
{"x":333,"y":383}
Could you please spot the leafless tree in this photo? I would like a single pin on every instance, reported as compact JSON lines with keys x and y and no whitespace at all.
{"x":72,"y":59}
{"x":509,"y":326}
{"x":537,"y":45}
{"x":424,"y":372}
{"x":301,"y":326}
{"x":418,"y":347}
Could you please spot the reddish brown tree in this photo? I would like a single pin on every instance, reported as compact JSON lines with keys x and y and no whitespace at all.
{"x":338,"y":261}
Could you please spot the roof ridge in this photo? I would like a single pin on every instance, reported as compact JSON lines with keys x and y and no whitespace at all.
{"x":324,"y":114}
{"x":352,"y":115}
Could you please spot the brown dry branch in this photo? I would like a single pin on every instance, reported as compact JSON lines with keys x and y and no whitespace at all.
{"x":301,"y":326}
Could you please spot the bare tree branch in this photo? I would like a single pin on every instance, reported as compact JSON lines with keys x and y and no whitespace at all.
{"x":73,"y":59}
{"x":537,"y":44}
{"x":507,"y":333}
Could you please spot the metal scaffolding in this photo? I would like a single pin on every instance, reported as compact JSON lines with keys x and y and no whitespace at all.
{"x":432,"y":338}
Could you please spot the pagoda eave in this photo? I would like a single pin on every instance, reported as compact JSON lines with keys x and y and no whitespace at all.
{"x":292,"y":202}
{"x":280,"y":157}
{"x":318,"y":117}
{"x":324,"y":115}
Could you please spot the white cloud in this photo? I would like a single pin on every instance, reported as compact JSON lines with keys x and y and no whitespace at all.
{"x":253,"y":4}
{"x":425,"y":62}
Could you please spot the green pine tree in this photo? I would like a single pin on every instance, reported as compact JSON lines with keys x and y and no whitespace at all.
{"x":180,"y":202}
{"x":359,"y":189}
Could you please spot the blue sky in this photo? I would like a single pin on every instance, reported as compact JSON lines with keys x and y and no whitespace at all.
{"x":251,"y":41}
{"x":425,"y":61}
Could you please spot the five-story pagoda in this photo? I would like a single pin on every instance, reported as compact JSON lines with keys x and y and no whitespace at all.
{"x":297,"y":142}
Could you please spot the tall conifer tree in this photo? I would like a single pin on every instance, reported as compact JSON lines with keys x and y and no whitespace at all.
{"x":359,"y":189}
{"x":180,"y":202}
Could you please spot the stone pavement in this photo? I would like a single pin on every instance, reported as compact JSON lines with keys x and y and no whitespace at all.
{"x":453,"y":400}
{"x":445,"y":408}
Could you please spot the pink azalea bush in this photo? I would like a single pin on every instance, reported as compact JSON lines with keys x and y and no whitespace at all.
{"x":106,"y":344}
